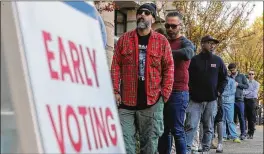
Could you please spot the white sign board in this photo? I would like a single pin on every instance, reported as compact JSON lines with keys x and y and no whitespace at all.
{"x":69,"y":77}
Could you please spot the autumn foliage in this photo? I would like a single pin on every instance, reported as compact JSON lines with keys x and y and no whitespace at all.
{"x":105,"y":6}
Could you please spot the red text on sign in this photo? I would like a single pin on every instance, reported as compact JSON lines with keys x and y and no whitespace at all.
{"x":103,"y":133}
{"x":73,"y":60}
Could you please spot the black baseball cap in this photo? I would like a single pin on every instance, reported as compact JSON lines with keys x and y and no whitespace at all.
{"x":208,"y":38}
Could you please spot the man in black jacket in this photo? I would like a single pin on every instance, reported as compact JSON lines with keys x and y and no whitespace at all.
{"x":242,"y":83}
{"x":208,"y":78}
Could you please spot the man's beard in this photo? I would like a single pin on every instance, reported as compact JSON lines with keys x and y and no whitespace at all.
{"x":172,"y":34}
{"x":142,"y":23}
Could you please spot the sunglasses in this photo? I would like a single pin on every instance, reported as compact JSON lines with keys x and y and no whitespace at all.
{"x":251,"y":74}
{"x":146,"y":12}
{"x":173,"y":26}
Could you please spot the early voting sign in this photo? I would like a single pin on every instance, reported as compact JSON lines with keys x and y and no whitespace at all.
{"x":69,"y":77}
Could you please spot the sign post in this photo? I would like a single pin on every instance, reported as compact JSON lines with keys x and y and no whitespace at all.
{"x":67,"y":79}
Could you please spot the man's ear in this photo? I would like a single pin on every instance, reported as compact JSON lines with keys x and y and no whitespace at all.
{"x":153,"y":20}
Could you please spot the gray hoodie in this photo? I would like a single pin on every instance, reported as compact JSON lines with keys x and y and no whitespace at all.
{"x":242,"y":84}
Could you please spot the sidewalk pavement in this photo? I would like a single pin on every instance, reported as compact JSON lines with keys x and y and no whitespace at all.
{"x":248,"y":146}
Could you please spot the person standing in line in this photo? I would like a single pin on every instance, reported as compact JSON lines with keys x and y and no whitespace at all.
{"x":142,"y":74}
{"x":242,"y":83}
{"x":228,"y":98}
{"x":208,"y":78}
{"x":218,"y":127}
{"x":174,"y":109}
{"x":250,"y":97}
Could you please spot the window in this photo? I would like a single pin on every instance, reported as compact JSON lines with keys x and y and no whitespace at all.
{"x":120,"y":23}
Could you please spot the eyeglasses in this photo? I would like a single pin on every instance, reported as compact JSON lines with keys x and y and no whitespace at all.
{"x":251,"y":74}
{"x":211,"y":43}
{"x":173,"y":26}
{"x":146,"y":12}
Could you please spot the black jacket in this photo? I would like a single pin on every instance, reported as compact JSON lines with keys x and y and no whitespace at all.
{"x":208,"y":76}
{"x":242,"y":84}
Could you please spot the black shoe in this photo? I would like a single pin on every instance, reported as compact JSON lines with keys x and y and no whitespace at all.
{"x":250,"y":136}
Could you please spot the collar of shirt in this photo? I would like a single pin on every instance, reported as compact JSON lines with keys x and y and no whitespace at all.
{"x":251,"y":81}
{"x":234,"y":76}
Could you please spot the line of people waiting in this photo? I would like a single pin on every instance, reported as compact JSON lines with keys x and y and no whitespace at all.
{"x":165,"y":92}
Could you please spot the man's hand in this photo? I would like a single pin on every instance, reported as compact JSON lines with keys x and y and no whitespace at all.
{"x":236,"y":84}
{"x":118,"y":99}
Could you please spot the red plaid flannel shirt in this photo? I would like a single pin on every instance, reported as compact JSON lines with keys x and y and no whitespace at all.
{"x":159,"y":72}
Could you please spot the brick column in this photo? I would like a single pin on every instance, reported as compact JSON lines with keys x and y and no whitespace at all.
{"x":108,"y":18}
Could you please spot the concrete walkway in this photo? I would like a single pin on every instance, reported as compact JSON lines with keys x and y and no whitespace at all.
{"x":248,"y":146}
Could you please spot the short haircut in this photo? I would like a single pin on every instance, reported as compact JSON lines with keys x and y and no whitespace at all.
{"x":161,"y":31}
{"x":231,"y":66}
{"x":174,"y":14}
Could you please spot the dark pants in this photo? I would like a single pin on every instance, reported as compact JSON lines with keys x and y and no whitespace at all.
{"x":174,"y":113}
{"x":239,"y":110}
{"x":235,"y":118}
{"x":250,"y":112}
{"x":218,"y":125}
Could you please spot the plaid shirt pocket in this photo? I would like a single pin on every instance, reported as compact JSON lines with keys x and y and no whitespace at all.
{"x":127,"y":57}
{"x":155,"y":59}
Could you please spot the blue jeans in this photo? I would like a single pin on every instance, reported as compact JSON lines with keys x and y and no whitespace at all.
{"x":204,"y":112}
{"x":174,"y":113}
{"x":239,"y":110}
{"x":228,"y":121}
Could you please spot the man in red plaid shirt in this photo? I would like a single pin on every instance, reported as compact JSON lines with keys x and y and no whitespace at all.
{"x":142,"y":74}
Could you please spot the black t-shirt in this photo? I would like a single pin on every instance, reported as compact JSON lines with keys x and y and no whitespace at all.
{"x":141,"y":91}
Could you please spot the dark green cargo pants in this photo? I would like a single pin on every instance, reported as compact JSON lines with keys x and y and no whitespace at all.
{"x":149,"y":125}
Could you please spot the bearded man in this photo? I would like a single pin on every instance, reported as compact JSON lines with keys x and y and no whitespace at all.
{"x":174,"y":110}
{"x":142,"y":74}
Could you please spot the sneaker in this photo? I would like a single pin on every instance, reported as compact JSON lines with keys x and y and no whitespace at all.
{"x":214,"y":144}
{"x":242,"y":137}
{"x":219,"y":148}
{"x":194,"y":152}
{"x":200,"y":148}
{"x":237,"y":140}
